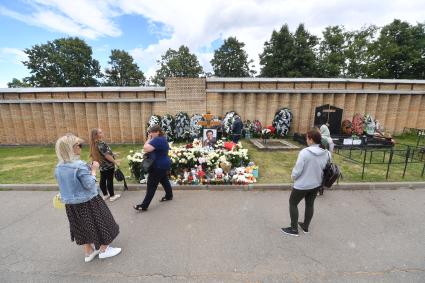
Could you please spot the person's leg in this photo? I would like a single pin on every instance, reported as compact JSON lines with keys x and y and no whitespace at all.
{"x":309,"y":206}
{"x":152,"y":184}
{"x":88,"y":249}
{"x":102,"y":182}
{"x":110,"y":181}
{"x":166,"y":185}
{"x":294,"y":200}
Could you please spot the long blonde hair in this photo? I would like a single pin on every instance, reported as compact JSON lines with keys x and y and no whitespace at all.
{"x":65,"y":148}
{"x":94,"y":151}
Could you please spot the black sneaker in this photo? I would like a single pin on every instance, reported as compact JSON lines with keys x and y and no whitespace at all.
{"x":289,"y":231}
{"x":305,"y":230}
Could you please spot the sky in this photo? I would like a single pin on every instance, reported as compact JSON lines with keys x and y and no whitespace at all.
{"x":146,"y":29}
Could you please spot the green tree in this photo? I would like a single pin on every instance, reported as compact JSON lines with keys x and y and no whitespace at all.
{"x":231,"y":60}
{"x":332,"y":52}
{"x":64,"y":62}
{"x":123,"y":70}
{"x":277,"y":57}
{"x":358,"y":52}
{"x":177,"y":63}
{"x":16,"y":83}
{"x":304,"y":60}
{"x":399,"y":52}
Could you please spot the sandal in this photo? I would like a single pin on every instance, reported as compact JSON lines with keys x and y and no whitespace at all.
{"x":139,"y":207}
{"x":165,"y":199}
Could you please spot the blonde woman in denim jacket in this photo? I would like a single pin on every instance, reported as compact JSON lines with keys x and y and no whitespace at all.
{"x":90,"y":220}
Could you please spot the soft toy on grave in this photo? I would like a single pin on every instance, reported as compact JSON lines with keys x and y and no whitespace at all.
{"x":358,"y":125}
{"x":370,"y":125}
{"x":282,"y":121}
{"x":168,"y":126}
{"x":346,"y":128}
{"x":182,"y":123}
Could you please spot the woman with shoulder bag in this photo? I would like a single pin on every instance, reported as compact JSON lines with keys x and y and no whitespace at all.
{"x":157,"y":147}
{"x":308,"y":176}
{"x":102,"y":153}
{"x":90,"y":220}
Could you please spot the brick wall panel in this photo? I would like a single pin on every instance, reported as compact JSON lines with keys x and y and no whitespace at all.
{"x":261,"y":108}
{"x":250,"y":85}
{"x":7,"y":124}
{"x":324,"y":85}
{"x":390,"y":121}
{"x":94,"y":95}
{"x":61,"y":124}
{"x":302,"y":85}
{"x":272,"y":106}
{"x":419,"y":87}
{"x":92,"y":118}
{"x":403,"y":113}
{"x":381,"y":114}
{"x":233,"y":85}
{"x":356,"y":86}
{"x":239,"y":104}
{"x":295,"y":104}
{"x":251,"y":105}
{"x":371,"y":104}
{"x":49,"y":121}
{"x":414,"y":107}
{"x":420,"y":124}
{"x":337,"y":85}
{"x":281,"y":85}
{"x":404,"y":87}
{"x":350,"y":106}
{"x":384,"y":86}
{"x":268,"y":85}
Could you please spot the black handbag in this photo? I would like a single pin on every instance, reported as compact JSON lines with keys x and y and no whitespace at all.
{"x":119,"y":176}
{"x":147,"y":162}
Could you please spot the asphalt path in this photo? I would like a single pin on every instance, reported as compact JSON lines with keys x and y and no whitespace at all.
{"x":223,"y":236}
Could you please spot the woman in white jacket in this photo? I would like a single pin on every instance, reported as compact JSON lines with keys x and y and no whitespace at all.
{"x":307,"y":175}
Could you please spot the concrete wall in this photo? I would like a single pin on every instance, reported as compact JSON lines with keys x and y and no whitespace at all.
{"x":41,"y":115}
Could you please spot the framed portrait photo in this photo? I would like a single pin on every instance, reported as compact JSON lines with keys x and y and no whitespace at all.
{"x":209,"y":137}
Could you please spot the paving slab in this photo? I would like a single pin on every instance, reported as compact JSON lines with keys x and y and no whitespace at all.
{"x":223,"y":236}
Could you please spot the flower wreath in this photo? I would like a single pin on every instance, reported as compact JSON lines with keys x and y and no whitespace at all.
{"x":153,"y":120}
{"x":168,"y":126}
{"x":282,"y":121}
{"x":182,"y":123}
{"x":228,"y":122}
{"x":195,"y":128}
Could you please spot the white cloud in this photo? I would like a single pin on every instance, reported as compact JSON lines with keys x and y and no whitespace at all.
{"x":197,"y":24}
{"x":90,"y":19}
{"x":12,"y":55}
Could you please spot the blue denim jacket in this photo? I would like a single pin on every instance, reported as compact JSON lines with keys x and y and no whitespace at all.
{"x":76,"y":183}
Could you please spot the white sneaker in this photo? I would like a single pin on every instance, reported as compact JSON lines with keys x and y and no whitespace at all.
{"x":91,"y":256}
{"x":105,"y":197}
{"x":109,"y":252}
{"x":115,"y":197}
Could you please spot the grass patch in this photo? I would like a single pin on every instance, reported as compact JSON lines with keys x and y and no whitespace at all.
{"x":35,"y":164}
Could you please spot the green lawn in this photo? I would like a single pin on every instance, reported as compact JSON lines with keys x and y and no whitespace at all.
{"x":35,"y":164}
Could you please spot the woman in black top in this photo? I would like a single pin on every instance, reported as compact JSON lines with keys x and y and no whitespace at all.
{"x":102,"y":153}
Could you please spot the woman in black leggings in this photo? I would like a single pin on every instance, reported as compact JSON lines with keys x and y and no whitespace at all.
{"x":102,"y":153}
{"x":307,"y":175}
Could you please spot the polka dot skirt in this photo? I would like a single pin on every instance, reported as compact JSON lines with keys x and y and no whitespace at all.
{"x":91,"y":222}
